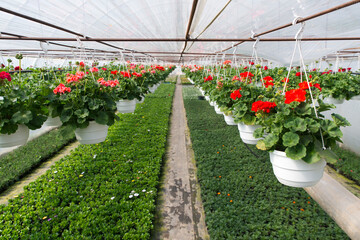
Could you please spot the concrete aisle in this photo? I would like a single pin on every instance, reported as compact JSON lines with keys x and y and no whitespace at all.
{"x":180,"y":213}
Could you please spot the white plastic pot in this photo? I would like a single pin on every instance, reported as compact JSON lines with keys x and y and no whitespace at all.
{"x":246,"y":133}
{"x":53,"y":122}
{"x":331,"y":100}
{"x":357,"y":98}
{"x":296,"y":173}
{"x":141,"y":101}
{"x":229,"y":120}
{"x":18,"y":138}
{"x":94,"y":133}
{"x":217,"y":109}
{"x":126,"y":106}
{"x":207,"y":98}
{"x":212,"y":103}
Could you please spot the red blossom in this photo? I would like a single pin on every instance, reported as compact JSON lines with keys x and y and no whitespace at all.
{"x":236,"y":94}
{"x":226,"y":62}
{"x":5,"y":75}
{"x":295,"y":95}
{"x":125,"y":74}
{"x":208,"y":78}
{"x":266,"y":68}
{"x":17,"y":68}
{"x":268,"y":81}
{"x":246,"y":75}
{"x":348,"y":69}
{"x":104,"y":69}
{"x":304,"y":85}
{"x":251,"y":63}
{"x":285,"y":80}
{"x":317,"y":85}
{"x":61,"y":89}
{"x":82,"y":64}
{"x":262,"y":106}
{"x":114,"y":72}
{"x":298,"y":74}
{"x":94,"y":69}
{"x":236,"y":78}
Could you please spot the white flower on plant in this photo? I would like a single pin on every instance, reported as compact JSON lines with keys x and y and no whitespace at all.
{"x":112,"y":198}
{"x":55,"y":171}
{"x":94,"y":156}
{"x":136,"y":194}
{"x":82,"y":172}
{"x":1,"y":98}
{"x":143,"y":190}
{"x":131,"y":196}
{"x":132,"y":191}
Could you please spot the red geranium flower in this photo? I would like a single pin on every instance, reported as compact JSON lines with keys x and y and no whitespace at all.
{"x":82,"y":64}
{"x":266,"y":68}
{"x":137,"y":74}
{"x":236,"y":78}
{"x":236,"y":94}
{"x":114,"y":72}
{"x":104,"y":69}
{"x":209,"y":78}
{"x":298,"y":74}
{"x":227,"y":62}
{"x":262,"y":106}
{"x":61,"y":89}
{"x":317,"y":85}
{"x":285,"y":80}
{"x":251,"y":63}
{"x":349,"y":69}
{"x":5,"y":75}
{"x":304,"y":85}
{"x":295,"y":95}
{"x":246,"y":75}
{"x":125,"y":74}
{"x":17,"y":68}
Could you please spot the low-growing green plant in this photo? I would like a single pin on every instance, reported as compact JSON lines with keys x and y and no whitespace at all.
{"x":21,"y":161}
{"x":99,"y":191}
{"x":241,"y":196}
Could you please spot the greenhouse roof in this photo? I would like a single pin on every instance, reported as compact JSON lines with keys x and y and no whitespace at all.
{"x":174,"y":30}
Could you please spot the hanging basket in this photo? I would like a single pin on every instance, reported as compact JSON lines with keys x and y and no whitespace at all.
{"x":212,"y":103}
{"x":94,"y":133}
{"x":126,"y":106}
{"x":246,"y":133}
{"x":296,"y":173}
{"x":356,"y":98}
{"x":207,"y":98}
{"x":140,"y":101}
{"x":331,"y":100}
{"x":217,"y":109}
{"x":18,"y":138}
{"x":53,"y":122}
{"x":229,"y":120}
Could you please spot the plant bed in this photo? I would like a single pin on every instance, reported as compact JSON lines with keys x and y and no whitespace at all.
{"x":241,"y":196}
{"x":22,"y":160}
{"x":99,"y":191}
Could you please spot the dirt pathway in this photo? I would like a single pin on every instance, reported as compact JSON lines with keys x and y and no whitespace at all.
{"x":180,"y":212}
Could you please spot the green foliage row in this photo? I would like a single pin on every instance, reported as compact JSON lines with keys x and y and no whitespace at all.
{"x":16,"y":164}
{"x":99,"y":191}
{"x":241,"y":196}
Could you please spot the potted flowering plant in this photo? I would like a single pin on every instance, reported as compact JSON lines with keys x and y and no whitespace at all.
{"x":339,"y":86}
{"x":299,"y":138}
{"x":87,"y":105}
{"x":21,"y":109}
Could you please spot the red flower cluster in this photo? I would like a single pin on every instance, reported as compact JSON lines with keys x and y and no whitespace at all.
{"x":266,"y":68}
{"x":317,"y":85}
{"x":268,"y":81}
{"x":161,"y":68}
{"x":209,"y":78}
{"x":104,"y":69}
{"x":328,"y":72}
{"x":227,"y":62}
{"x":304,"y":85}
{"x":137,"y":74}
{"x":236,"y":78}
{"x":295,"y":95}
{"x":94,"y":69}
{"x":82,"y":64}
{"x":75,"y":78}
{"x":17,"y":68}
{"x":246,"y":75}
{"x":285,"y":80}
{"x":219,"y":85}
{"x":5,"y":75}
{"x":251,"y":63}
{"x":341,"y":70}
{"x":236,"y":94}
{"x":61,"y":89}
{"x":262,"y":106}
{"x":125,"y":74}
{"x":114,"y":72}
{"x":110,"y":83}
{"x":298,"y":74}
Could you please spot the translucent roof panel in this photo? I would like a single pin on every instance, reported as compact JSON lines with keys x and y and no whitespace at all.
{"x":145,"y":19}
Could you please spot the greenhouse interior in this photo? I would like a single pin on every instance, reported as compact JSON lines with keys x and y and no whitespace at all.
{"x":180,"y":120}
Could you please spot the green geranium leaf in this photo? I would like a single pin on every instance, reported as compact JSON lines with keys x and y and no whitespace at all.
{"x":36,"y":122}
{"x":306,"y":139}
{"x":312,"y":155}
{"x":296,"y":152}
{"x":312,"y":125}
{"x":22,"y":117}
{"x":340,"y":120}
{"x":332,"y":129}
{"x":66,"y":115}
{"x":270,"y":140}
{"x":290,"y":139}
{"x":328,"y":155}
{"x":102,"y":118}
{"x":82,"y":113}
{"x":261,"y":145}
{"x":259,"y":132}
{"x":248,"y":119}
{"x":297,"y":124}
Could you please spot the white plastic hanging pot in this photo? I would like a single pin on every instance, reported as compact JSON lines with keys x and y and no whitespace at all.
{"x":246,"y":133}
{"x":126,"y":106}
{"x":94,"y":133}
{"x":333,"y":100}
{"x":18,"y":138}
{"x":296,"y":173}
{"x":207,"y":98}
{"x":229,"y":120}
{"x":212,"y":103}
{"x":356,"y":98}
{"x":53,"y":122}
{"x":217,"y":109}
{"x":140,"y":101}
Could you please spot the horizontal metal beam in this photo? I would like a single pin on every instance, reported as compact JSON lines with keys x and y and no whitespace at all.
{"x":178,"y":39}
